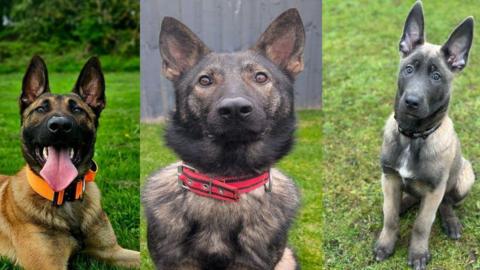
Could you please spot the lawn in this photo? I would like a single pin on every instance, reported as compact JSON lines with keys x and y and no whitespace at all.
{"x":360,"y":57}
{"x":116,"y":153}
{"x":303,"y":165}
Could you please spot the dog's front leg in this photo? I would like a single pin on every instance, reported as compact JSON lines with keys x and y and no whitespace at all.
{"x":40,"y":249}
{"x":392,"y":197}
{"x":418,"y":254}
{"x":101,"y":243}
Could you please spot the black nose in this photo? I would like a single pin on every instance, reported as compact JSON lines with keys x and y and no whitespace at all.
{"x":235,"y":108}
{"x":412,"y":102}
{"x":59,"y":124}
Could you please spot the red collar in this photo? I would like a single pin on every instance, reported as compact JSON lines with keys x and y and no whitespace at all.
{"x":221,"y":188}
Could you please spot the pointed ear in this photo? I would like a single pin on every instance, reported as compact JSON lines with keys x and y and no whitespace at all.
{"x":180,"y":48}
{"x":413,"y":31}
{"x":458,"y":45}
{"x":90,"y":85}
{"x":283,"y":42}
{"x":35,"y":82}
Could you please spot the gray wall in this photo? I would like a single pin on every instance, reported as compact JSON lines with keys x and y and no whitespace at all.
{"x":225,"y":25}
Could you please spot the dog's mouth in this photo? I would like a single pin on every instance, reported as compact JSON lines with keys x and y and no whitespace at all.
{"x":239,"y":135}
{"x":412,"y":115}
{"x":58,"y":165}
{"x":41,"y":154}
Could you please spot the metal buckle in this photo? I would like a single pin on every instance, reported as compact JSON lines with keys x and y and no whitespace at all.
{"x":268,"y":185}
{"x":179,"y":181}
{"x":187,"y":166}
{"x":83,"y":186}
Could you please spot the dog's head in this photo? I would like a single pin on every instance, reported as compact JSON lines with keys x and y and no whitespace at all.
{"x":58,"y":131}
{"x":232,"y":100}
{"x":427,"y":70}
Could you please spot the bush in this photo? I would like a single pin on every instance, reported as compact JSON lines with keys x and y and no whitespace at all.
{"x":70,"y":29}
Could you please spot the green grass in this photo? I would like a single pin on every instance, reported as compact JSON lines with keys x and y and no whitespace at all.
{"x":360,"y":57}
{"x":303,"y":165}
{"x":116,"y":153}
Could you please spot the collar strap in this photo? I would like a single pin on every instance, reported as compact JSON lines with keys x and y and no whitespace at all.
{"x":74,"y":191}
{"x":221,"y":188}
{"x":422,"y":134}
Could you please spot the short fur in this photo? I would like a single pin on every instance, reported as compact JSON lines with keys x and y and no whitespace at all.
{"x":427,"y":168}
{"x":33,"y":233}
{"x":186,"y":231}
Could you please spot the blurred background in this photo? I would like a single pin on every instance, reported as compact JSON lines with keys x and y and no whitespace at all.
{"x":66,"y":31}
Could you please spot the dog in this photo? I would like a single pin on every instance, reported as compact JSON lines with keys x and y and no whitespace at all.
{"x":421,"y":157}
{"x":224,"y":206}
{"x":51,"y":208}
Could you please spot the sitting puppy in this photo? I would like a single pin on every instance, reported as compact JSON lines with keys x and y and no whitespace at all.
{"x":421,"y":157}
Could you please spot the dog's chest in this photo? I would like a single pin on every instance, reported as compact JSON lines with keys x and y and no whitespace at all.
{"x":405,"y":164}
{"x":221,"y":235}
{"x":416,"y":170}
{"x":218,"y":236}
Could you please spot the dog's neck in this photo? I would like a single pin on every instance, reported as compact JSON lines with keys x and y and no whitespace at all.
{"x":424,"y":127}
{"x":229,"y":158}
{"x":74,"y":191}
{"x":419,"y":134}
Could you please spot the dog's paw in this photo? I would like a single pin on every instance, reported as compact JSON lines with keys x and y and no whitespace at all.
{"x":453,"y":228}
{"x":418,"y":261}
{"x":381,"y":253}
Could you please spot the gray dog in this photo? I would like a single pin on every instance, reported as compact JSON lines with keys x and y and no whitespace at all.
{"x":234,"y":119}
{"x":421,"y":157}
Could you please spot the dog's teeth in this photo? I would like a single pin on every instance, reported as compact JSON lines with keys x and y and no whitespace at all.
{"x":45,"y":152}
{"x":72,"y":153}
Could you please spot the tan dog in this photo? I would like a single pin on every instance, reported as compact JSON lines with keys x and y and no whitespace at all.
{"x":421,"y":156}
{"x":47,"y":210}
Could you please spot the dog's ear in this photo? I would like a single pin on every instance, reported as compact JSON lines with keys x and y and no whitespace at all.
{"x":90,"y":85}
{"x":413,"y":31}
{"x":283,"y":42}
{"x":180,"y":48}
{"x":35,"y":82}
{"x":458,"y":45}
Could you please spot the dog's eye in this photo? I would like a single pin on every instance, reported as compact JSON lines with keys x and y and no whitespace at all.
{"x":436,"y":76}
{"x":40,"y":109}
{"x":261,"y":77}
{"x":205,"y":80}
{"x":409,"y":69}
{"x":77,"y":109}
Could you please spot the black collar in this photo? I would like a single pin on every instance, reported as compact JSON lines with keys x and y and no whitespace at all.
{"x":420,"y":134}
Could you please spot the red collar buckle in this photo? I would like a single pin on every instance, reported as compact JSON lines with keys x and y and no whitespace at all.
{"x":221,"y":188}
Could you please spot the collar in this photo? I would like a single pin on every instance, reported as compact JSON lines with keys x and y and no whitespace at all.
{"x":221,"y":188}
{"x":421,"y":134}
{"x":74,"y":191}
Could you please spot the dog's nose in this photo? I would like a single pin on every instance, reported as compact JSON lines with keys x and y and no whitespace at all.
{"x":412,"y":102}
{"x":59,"y":124}
{"x":232,"y":108}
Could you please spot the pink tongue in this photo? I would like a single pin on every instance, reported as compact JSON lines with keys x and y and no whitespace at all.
{"x":59,"y":170}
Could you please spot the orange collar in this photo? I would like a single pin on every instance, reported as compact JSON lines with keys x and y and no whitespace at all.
{"x":73,"y":192}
